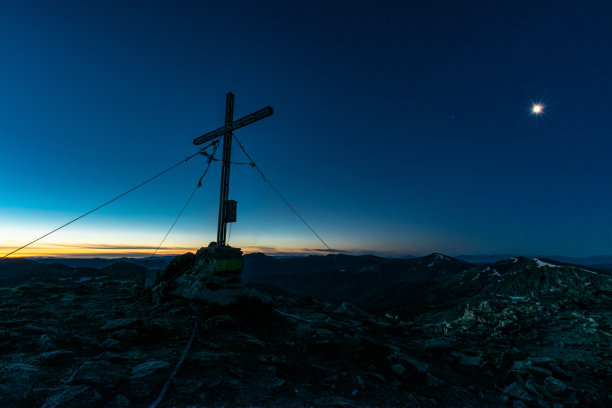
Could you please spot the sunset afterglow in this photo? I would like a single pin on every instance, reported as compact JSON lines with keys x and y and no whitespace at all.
{"x":387,"y":136}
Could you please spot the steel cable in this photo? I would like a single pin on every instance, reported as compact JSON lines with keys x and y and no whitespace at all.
{"x":106,"y":203}
{"x":253,"y":164}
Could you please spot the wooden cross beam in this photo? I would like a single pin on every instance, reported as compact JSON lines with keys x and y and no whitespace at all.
{"x":227,"y":208}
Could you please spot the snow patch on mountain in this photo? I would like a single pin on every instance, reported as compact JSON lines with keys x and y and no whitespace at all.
{"x":437,"y":258}
{"x":541,"y":264}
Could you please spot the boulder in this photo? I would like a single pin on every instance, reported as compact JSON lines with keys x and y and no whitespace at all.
{"x":213,"y":265}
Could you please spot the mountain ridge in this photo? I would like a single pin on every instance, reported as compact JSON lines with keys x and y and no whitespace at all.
{"x":521,"y":332}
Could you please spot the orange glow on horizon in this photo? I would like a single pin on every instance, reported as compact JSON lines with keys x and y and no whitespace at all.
{"x":134,"y":251}
{"x":80,"y":252}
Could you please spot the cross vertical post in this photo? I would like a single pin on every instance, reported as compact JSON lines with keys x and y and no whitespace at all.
{"x":225,"y":169}
{"x":227,"y":208}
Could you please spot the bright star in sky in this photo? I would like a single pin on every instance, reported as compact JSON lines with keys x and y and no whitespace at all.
{"x":537,"y":109}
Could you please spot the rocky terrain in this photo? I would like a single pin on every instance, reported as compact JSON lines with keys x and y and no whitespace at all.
{"x":517,"y":333}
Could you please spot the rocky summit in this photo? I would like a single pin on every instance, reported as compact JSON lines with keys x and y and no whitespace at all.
{"x":516,"y":333}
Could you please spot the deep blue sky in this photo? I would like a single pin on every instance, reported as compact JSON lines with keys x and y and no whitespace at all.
{"x":399,"y":127}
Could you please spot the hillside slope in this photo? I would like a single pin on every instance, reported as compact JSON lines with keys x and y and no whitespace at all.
{"x":340,"y":278}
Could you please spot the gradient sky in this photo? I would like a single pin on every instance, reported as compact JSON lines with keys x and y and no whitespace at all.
{"x":399,"y":127}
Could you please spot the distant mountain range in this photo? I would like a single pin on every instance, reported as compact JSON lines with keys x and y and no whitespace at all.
{"x":160,"y":262}
{"x":17,"y":271}
{"x":516,"y":278}
{"x":588,"y":260}
{"x":413,"y":286}
{"x":157,"y":262}
{"x":376,"y":284}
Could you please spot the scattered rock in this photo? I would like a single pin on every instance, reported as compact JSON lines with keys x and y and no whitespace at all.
{"x":398,"y":369}
{"x":207,"y":358}
{"x":434,"y":381}
{"x":220,"y":322}
{"x":75,"y":396}
{"x":120,"y":401}
{"x":325,"y":334}
{"x":188,"y":386}
{"x":45,"y":344}
{"x":349,"y":310}
{"x":555,"y":385}
{"x":276,"y":383}
{"x":470,"y":361}
{"x":120,"y":323}
{"x":260,"y":346}
{"x":147,"y":377}
{"x":112,"y":344}
{"x":339,"y":402}
{"x":56,"y":357}
{"x":515,"y":390}
{"x":414,"y":365}
{"x":100,"y":374}
{"x":440,"y":343}
{"x":16,"y":381}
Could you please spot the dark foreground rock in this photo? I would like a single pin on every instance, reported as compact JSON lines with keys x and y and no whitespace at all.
{"x":104,"y":344}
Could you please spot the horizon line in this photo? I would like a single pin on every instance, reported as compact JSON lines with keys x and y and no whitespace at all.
{"x":271,"y":252}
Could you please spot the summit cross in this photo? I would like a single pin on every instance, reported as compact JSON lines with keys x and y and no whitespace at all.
{"x":227,"y":208}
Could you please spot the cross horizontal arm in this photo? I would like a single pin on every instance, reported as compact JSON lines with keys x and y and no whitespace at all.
{"x":237,"y":124}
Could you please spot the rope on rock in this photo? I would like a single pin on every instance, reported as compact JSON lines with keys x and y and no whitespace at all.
{"x":164,"y":389}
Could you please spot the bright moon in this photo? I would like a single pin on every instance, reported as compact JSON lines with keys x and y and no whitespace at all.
{"x":537,"y":109}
